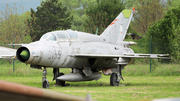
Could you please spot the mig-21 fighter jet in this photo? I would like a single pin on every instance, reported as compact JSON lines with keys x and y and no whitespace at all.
{"x":85,"y":53}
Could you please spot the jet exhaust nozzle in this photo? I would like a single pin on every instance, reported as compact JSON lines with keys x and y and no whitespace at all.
{"x":23,"y":54}
{"x":75,"y":77}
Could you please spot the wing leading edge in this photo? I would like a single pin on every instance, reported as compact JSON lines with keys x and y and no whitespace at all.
{"x":126,"y":55}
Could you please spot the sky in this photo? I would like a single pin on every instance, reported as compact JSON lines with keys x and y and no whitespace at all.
{"x":27,"y":4}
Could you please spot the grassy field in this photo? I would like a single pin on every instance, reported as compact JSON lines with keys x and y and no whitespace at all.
{"x":133,"y":88}
{"x":158,"y":69}
{"x":139,"y":84}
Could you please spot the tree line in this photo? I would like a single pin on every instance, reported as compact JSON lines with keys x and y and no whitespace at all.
{"x":155,"y":19}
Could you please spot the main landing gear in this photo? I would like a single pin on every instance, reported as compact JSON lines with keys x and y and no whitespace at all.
{"x":45,"y":83}
{"x":56,"y":75}
{"x":116,"y":77}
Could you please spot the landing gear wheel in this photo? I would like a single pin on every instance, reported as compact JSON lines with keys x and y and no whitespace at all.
{"x":59,"y":82}
{"x":45,"y":84}
{"x":114,"y":80}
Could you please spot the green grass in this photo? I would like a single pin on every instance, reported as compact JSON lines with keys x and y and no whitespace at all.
{"x":156,"y":70}
{"x":137,"y":69}
{"x":133,"y":88}
{"x":139,"y":84}
{"x":21,"y":69}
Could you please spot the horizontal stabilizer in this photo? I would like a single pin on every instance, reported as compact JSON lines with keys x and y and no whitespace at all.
{"x":7,"y":52}
{"x":17,"y":44}
{"x":7,"y":56}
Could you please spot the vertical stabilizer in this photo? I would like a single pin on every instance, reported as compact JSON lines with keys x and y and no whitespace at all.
{"x":116,"y":31}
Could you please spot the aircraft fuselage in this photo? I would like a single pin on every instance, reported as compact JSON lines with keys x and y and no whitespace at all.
{"x":57,"y":54}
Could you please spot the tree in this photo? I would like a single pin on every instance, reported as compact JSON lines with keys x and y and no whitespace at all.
{"x":148,"y":12}
{"x":77,"y":9}
{"x":131,"y":3}
{"x":13,"y":28}
{"x":51,"y":15}
{"x":173,"y":4}
{"x":176,"y":43}
{"x":165,"y":33}
{"x":101,"y":14}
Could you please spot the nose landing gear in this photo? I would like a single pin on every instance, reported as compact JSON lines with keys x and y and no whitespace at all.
{"x":45,"y":83}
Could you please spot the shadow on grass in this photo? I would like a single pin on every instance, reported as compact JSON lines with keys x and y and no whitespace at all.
{"x":101,"y":84}
{"x":85,"y":84}
{"x":105,"y":84}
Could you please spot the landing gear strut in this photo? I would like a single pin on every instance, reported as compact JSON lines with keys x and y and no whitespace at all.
{"x":116,"y":77}
{"x":56,"y":75}
{"x":45,"y":83}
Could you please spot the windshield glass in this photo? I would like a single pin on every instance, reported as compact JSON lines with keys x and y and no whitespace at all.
{"x":61,"y":34}
{"x":49,"y":36}
{"x":45,"y":36}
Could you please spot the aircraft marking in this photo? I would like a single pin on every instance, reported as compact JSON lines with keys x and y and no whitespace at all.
{"x":113,"y":22}
{"x":55,"y":55}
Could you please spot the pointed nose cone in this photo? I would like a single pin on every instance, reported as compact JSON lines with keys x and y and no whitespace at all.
{"x":25,"y":54}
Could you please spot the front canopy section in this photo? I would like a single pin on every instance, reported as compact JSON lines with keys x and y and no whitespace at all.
{"x":49,"y":36}
{"x":60,"y":35}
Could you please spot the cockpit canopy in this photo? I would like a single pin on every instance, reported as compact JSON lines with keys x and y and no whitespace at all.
{"x":59,"y":35}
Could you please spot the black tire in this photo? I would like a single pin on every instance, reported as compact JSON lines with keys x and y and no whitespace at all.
{"x":60,"y":82}
{"x":113,"y":80}
{"x":45,"y":85}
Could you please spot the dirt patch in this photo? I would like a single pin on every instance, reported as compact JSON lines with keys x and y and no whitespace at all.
{"x":177,"y":79}
{"x":149,"y":96}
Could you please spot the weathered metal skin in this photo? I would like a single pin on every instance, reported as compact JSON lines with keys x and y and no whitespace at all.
{"x":56,"y":54}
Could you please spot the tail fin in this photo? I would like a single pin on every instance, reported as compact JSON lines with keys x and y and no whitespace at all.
{"x":116,"y":31}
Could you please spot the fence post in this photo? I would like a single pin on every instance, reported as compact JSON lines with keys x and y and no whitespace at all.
{"x":150,"y":52}
{"x":96,"y":30}
{"x":13,"y":59}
